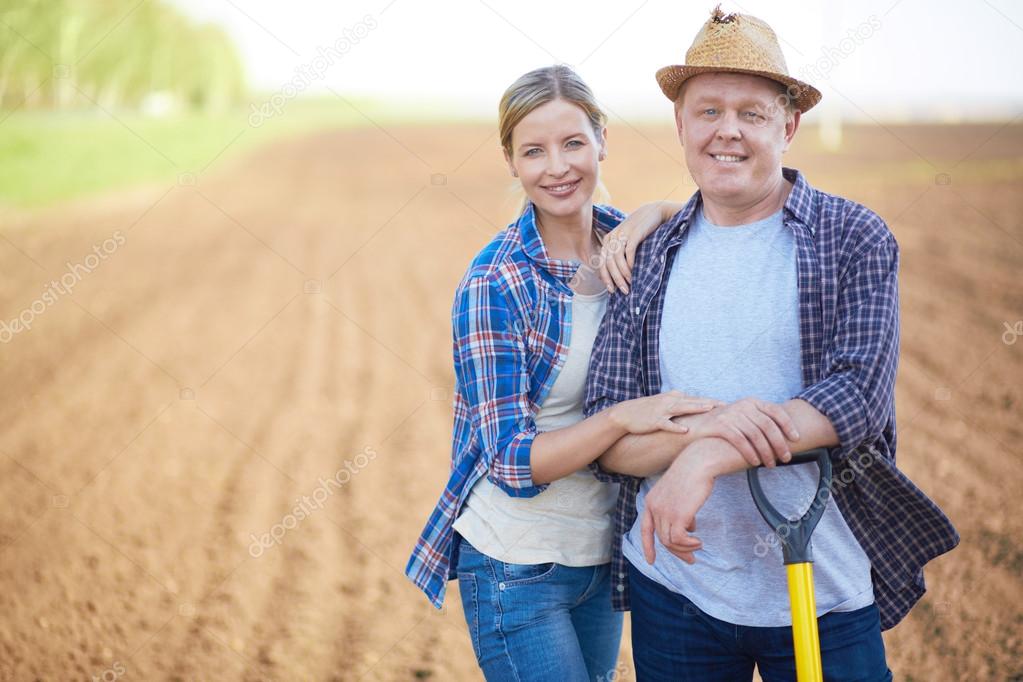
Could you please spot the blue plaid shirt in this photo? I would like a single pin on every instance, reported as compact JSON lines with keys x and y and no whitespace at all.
{"x":847,"y":268}
{"x":511,"y":323}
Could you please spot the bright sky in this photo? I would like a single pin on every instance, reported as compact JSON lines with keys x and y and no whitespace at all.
{"x":884,"y":59}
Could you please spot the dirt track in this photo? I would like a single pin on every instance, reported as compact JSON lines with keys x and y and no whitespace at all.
{"x":290,"y":312}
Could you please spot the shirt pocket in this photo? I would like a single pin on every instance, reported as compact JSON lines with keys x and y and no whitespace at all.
{"x":543,"y":322}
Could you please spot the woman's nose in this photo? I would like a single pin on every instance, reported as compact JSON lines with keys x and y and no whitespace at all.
{"x":557,"y":165}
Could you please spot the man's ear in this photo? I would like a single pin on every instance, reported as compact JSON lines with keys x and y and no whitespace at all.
{"x":678,"y":121}
{"x":791,"y":125}
{"x":603,"y":145}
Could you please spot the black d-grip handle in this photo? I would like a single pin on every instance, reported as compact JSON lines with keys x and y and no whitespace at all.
{"x":795,"y":534}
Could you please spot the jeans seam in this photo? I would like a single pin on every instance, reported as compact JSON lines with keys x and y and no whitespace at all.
{"x":593,"y":587}
{"x":499,"y":614}
{"x":474,"y":627}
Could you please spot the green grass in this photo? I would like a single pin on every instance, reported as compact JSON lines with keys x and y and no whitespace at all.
{"x":50,"y":157}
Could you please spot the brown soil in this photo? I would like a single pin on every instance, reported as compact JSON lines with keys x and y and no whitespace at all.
{"x":290,"y":311}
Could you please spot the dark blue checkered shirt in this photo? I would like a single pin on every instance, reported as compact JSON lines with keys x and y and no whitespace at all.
{"x":847,"y":269}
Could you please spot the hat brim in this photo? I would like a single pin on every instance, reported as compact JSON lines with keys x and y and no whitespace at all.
{"x":671,"y":78}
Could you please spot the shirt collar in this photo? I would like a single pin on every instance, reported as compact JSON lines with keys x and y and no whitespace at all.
{"x":800,"y":205}
{"x":604,"y":219}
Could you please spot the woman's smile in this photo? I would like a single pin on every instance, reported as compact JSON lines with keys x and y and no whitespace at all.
{"x":562,"y":189}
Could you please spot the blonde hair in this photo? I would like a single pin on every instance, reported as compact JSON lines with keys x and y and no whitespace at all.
{"x":540,"y":86}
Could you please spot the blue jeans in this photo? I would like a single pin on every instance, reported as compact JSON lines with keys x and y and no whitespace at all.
{"x":539,"y":621}
{"x":672,"y":639}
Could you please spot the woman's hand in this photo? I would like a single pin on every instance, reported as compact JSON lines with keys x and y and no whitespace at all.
{"x":618,"y":249}
{"x":654,"y":413}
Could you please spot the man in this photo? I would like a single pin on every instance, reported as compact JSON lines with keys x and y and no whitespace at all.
{"x":782,"y":301}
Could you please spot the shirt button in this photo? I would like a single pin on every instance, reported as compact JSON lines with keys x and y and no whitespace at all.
{"x":500,"y":586}
{"x":621,"y":576}
{"x":621,"y":588}
{"x":636,"y":311}
{"x":662,"y":257}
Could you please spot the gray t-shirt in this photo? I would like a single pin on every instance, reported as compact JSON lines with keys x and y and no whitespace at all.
{"x":730,"y":329}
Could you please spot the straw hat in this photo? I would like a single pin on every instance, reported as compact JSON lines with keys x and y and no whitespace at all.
{"x":736,"y":43}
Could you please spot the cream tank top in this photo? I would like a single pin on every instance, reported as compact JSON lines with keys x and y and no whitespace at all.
{"x":570,"y":522}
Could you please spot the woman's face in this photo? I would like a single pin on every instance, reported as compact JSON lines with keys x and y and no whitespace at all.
{"x":556,"y":155}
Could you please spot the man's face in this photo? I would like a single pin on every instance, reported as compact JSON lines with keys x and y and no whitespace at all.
{"x":733,"y":128}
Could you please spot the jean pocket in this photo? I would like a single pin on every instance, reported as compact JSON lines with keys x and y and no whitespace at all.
{"x":469,"y":559}
{"x":469,"y":592}
{"x":526,"y":574}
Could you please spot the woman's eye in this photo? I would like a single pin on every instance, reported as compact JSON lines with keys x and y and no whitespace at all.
{"x":529,"y":152}
{"x":710,"y":112}
{"x":577,"y":143}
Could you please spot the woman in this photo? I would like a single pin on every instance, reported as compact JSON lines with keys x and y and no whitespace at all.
{"x":523,"y":523}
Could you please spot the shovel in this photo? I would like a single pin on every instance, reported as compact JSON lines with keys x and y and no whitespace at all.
{"x":794,"y":535}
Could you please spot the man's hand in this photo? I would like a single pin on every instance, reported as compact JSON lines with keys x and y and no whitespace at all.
{"x":758,"y":429}
{"x":671,"y":505}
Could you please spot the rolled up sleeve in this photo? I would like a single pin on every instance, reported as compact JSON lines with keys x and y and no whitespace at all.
{"x":492,"y":374}
{"x":857,"y":389}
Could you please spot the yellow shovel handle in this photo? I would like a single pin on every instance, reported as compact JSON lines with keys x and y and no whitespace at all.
{"x":805,"y":639}
{"x":798,"y":557}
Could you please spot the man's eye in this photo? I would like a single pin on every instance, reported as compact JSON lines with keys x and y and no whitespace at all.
{"x":710,"y":112}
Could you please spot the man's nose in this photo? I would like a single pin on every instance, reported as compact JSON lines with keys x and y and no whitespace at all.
{"x":728,"y":127}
